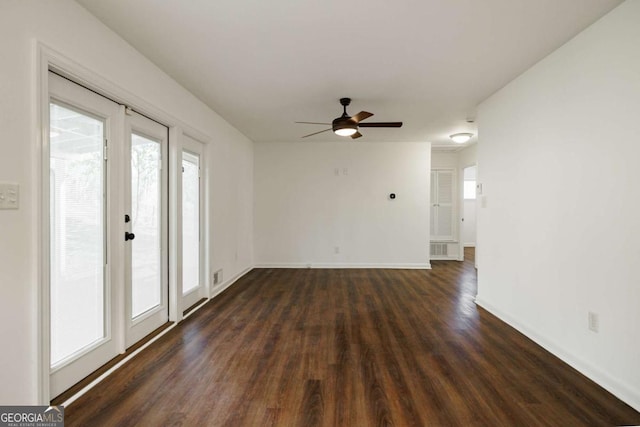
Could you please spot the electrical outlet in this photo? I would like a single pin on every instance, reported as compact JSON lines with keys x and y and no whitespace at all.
{"x":594,"y":322}
{"x":9,"y":194}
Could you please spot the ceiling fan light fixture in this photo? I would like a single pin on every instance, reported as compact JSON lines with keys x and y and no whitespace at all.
{"x":461,"y":138}
{"x":344,"y":126}
{"x":346,"y":131}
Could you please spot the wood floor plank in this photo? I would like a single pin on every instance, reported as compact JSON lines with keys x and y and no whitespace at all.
{"x":321,"y":347}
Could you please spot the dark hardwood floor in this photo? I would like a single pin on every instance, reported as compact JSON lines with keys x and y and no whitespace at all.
{"x":348,"y":348}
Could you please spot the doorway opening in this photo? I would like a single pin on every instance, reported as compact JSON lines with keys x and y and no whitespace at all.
{"x":468,"y":235}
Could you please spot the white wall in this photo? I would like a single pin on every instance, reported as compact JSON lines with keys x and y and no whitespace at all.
{"x":66,"y":27}
{"x":468,"y":156}
{"x":444,"y":159}
{"x":469,"y":224}
{"x":303,"y":209}
{"x":559,"y":234}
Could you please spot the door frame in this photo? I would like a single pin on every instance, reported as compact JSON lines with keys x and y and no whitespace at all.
{"x":48,"y":59}
{"x":461,"y":212}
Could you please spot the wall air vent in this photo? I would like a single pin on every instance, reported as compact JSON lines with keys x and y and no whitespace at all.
{"x":439,"y":250}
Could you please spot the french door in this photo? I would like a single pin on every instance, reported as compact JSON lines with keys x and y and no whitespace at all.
{"x":106,"y":290}
{"x":82,"y":292}
{"x":146,"y":224}
{"x":193,"y":288}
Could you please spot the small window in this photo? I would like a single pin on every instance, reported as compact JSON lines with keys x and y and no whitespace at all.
{"x":470,"y":190}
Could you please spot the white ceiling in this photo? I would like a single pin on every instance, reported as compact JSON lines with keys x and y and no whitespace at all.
{"x":264,"y":64}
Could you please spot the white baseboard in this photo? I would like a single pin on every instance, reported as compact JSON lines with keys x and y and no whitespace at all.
{"x":623,"y":391}
{"x":400,"y":266}
{"x":218,"y":289}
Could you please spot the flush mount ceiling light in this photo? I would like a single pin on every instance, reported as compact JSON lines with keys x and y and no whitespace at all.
{"x":461,"y":138}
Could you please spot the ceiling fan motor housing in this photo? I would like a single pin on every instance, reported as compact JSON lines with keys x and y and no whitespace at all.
{"x":344,"y":122}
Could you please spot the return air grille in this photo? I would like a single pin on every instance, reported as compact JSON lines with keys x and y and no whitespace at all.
{"x":439,"y":250}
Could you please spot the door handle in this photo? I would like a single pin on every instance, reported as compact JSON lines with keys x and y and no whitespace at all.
{"x":129,"y":236}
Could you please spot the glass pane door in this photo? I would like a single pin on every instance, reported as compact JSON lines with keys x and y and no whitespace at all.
{"x":77,"y":232}
{"x":190,"y":222}
{"x":80,"y":289}
{"x":146,"y":217}
{"x":192,"y":229}
{"x":146,"y":238}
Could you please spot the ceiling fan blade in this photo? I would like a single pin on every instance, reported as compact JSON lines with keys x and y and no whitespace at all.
{"x":315,"y":133}
{"x":361,"y":116}
{"x":313,"y":123}
{"x":356,"y":135}
{"x":380,"y":125}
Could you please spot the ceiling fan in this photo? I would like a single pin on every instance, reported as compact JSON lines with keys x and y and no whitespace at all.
{"x":347,"y":125}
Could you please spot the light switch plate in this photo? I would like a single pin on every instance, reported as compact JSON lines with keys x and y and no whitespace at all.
{"x":9,"y":195}
{"x":483,"y":201}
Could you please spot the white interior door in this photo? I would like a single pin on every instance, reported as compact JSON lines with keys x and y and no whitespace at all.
{"x":146,"y":238}
{"x":442,"y":205}
{"x":193,"y":282}
{"x":82,"y":335}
